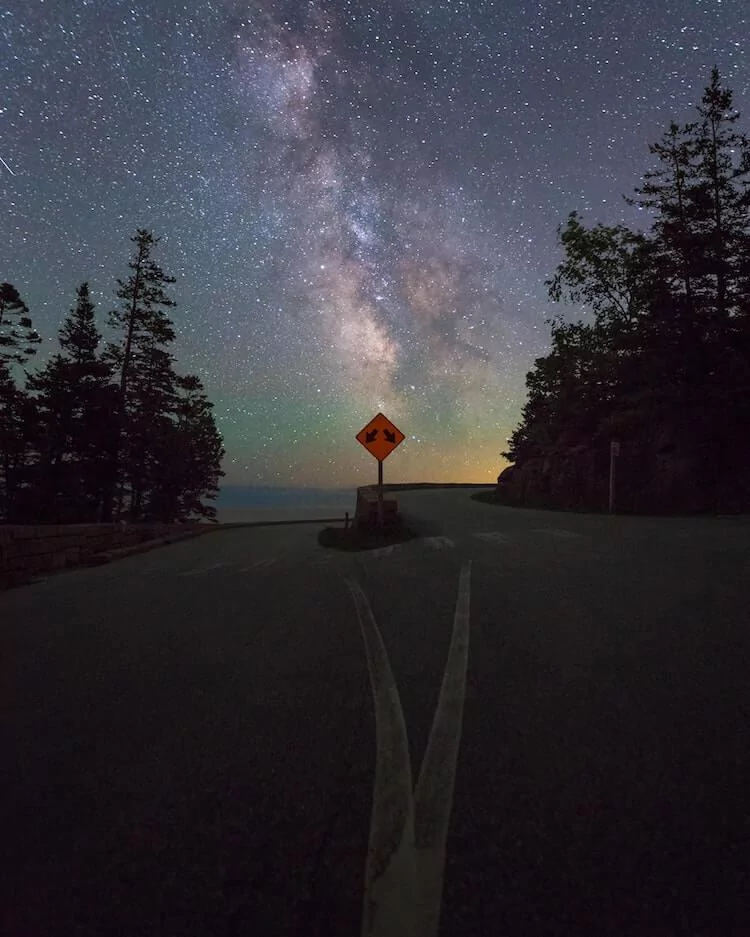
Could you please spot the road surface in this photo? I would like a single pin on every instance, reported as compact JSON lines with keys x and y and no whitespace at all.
{"x":190,"y":749}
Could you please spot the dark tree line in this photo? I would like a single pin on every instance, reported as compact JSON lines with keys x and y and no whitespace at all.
{"x":664,"y":368}
{"x":105,"y":431}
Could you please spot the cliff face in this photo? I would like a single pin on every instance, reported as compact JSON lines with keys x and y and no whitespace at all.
{"x":658,"y":475}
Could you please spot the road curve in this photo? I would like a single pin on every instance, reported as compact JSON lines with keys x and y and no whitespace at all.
{"x":191,"y":748}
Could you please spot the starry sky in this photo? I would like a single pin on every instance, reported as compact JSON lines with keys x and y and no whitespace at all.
{"x":359,"y":200}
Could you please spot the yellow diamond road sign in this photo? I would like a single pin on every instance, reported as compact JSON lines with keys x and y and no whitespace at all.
{"x":380,"y":437}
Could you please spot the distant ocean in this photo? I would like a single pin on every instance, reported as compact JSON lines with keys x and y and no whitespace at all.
{"x":244,"y":503}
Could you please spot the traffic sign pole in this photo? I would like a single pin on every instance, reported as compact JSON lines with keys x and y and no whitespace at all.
{"x":380,"y":437}
{"x":381,"y":522}
{"x":614,"y":451}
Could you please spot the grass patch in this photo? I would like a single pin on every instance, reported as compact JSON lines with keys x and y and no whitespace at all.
{"x":353,"y":539}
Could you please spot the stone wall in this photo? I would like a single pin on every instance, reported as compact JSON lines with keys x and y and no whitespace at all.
{"x":366,"y":514}
{"x":31,"y":551}
{"x":669,"y":479}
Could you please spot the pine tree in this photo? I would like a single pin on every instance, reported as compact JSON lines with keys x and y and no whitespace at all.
{"x":701,"y":232}
{"x":721,"y":203}
{"x":17,"y":334}
{"x":722,"y":196}
{"x":18,"y":339}
{"x":203,"y":443}
{"x":142,"y":367}
{"x":141,"y":315}
{"x":8,"y":440}
{"x":53,"y":394}
{"x":666,"y":192}
{"x":151,"y":400}
{"x":670,"y":346}
{"x":71,"y":437}
{"x":186,"y":467}
{"x":79,"y":336}
{"x":570,"y":390}
{"x":17,"y":420}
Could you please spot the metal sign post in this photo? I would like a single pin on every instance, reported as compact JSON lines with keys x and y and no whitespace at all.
{"x":380,"y":437}
{"x":614,"y":451}
{"x":381,"y":523}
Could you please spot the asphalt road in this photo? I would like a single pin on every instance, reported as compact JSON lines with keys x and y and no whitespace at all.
{"x":189,"y":743}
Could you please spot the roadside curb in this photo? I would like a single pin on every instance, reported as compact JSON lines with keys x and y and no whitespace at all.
{"x":109,"y":556}
{"x":284,"y":523}
{"x":104,"y":557}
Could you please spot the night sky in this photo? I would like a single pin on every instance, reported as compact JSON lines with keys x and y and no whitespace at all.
{"x":359,"y":200}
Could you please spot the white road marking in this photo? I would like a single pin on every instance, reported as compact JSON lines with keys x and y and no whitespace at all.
{"x":259,"y":564}
{"x":406,"y":852}
{"x":433,"y":798}
{"x":382,"y":551}
{"x":322,"y":558}
{"x":390,"y":872}
{"x":202,"y":569}
{"x":493,"y":535}
{"x":556,"y":532}
{"x":438,"y":543}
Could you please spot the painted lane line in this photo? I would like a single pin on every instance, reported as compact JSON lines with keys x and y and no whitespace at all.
{"x":202,"y":569}
{"x":259,"y":564}
{"x":406,"y":852}
{"x":438,"y":543}
{"x":556,"y":532}
{"x":390,"y":872}
{"x":433,"y":798}
{"x":493,"y":535}
{"x":382,"y":551}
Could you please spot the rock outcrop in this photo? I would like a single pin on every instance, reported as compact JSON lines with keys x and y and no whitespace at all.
{"x":659,"y":475}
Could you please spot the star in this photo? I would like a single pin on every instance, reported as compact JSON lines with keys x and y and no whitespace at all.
{"x":359,"y":201}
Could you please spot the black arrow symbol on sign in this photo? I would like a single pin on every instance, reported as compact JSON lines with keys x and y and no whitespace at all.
{"x":389,"y":437}
{"x":370,"y":437}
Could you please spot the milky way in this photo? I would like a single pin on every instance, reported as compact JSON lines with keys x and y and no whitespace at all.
{"x":359,"y":201}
